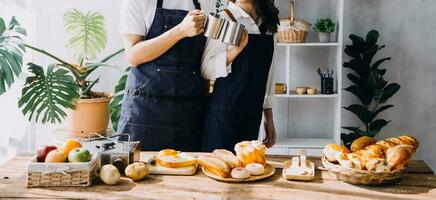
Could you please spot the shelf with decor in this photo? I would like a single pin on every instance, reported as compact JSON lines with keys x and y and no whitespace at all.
{"x":308,"y":121}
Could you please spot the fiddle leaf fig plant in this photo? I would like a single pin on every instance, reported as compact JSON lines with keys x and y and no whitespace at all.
{"x":369,"y":86}
{"x":49,"y":91}
{"x":12,"y":49}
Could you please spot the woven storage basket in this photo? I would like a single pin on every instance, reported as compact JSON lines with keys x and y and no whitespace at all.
{"x":293,"y":30}
{"x":362,"y":177}
{"x":61,"y":174}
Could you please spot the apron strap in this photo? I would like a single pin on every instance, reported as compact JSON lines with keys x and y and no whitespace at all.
{"x":159,"y":3}
{"x":197,"y":4}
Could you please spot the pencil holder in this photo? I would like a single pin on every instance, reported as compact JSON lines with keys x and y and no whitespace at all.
{"x":326,"y":85}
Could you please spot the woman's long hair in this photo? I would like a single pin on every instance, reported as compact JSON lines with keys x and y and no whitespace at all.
{"x":268,"y":13}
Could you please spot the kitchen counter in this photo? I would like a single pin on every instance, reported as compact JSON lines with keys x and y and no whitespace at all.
{"x":419,"y":183}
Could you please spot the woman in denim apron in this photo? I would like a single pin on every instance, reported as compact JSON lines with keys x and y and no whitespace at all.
{"x":163,"y":105}
{"x":234,"y":113}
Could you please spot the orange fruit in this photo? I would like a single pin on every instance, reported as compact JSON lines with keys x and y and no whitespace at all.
{"x":70,"y":145}
{"x":56,"y":156}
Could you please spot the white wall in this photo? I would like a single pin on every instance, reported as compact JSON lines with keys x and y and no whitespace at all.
{"x":406,"y":27}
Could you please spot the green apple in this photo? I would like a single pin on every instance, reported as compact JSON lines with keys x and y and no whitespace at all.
{"x":79,"y":155}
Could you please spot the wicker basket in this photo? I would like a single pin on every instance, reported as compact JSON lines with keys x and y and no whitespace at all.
{"x":61,"y":174}
{"x":362,"y":177}
{"x":293,"y":30}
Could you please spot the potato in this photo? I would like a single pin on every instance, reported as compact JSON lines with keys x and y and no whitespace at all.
{"x":137,"y":171}
{"x":109,"y":174}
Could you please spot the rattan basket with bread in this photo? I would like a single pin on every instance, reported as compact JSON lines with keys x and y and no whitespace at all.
{"x":370,"y":162}
{"x":61,"y":174}
{"x":292,"y":29}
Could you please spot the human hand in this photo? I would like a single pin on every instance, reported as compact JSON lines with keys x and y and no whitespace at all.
{"x":243,"y":43}
{"x":270,"y":134}
{"x":192,"y":25}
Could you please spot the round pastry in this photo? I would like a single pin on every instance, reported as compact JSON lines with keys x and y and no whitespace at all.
{"x":255,"y":169}
{"x":240,"y":173}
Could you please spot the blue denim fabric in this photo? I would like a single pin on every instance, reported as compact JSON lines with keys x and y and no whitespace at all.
{"x":163,"y":106}
{"x":234,"y":112}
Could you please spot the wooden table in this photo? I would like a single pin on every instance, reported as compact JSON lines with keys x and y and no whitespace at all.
{"x":419,"y":183}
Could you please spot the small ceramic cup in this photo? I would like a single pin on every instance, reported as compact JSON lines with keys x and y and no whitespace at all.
{"x":301,"y":90}
{"x":311,"y":91}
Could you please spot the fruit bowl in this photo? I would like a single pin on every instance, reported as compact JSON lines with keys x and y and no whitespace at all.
{"x":66,"y":174}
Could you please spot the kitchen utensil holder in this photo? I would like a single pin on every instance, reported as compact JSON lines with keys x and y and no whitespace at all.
{"x":327,"y":84}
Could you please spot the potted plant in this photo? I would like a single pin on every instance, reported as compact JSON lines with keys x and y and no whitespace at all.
{"x":324,"y":27}
{"x":63,"y":85}
{"x":368,"y":86}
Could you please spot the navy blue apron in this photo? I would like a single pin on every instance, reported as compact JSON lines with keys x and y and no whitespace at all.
{"x":163,"y":106}
{"x":234,"y":112}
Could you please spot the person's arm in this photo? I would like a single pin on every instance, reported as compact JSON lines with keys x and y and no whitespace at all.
{"x":140,"y":51}
{"x":217,"y":58}
{"x":270,"y":137}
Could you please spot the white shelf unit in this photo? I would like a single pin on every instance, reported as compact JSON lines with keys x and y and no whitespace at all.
{"x":308,"y":121}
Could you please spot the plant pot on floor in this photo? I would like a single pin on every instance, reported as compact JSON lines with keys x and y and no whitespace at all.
{"x":90,"y":115}
{"x":324,"y":37}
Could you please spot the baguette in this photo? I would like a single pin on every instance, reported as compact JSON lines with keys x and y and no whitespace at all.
{"x":215,"y":165}
{"x":228,"y":157}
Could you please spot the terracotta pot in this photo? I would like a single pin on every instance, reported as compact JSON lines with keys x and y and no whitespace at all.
{"x":90,"y":116}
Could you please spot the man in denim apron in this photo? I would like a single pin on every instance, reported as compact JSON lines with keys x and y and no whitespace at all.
{"x":164,"y":102}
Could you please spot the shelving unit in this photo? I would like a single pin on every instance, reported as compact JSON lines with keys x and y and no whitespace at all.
{"x":308,"y":121}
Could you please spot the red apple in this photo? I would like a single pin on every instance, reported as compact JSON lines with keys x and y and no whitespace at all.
{"x":42,"y":153}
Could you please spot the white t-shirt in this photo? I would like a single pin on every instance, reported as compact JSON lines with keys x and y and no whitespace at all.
{"x":137,"y":15}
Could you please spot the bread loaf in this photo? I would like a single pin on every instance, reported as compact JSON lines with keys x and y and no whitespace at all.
{"x":331,"y":150}
{"x":251,"y":152}
{"x":228,"y":157}
{"x":398,"y":156}
{"x":361,"y":143}
{"x":215,"y":165}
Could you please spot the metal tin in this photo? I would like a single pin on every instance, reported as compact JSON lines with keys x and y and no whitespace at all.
{"x":233,"y":33}
{"x":213,"y":26}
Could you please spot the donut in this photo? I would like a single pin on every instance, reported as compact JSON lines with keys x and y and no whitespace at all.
{"x":240,"y":173}
{"x":255,"y":169}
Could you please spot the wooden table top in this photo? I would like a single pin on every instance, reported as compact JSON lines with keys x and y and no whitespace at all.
{"x":419,"y":183}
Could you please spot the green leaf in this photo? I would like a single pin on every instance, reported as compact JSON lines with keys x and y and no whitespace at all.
{"x":116,"y":103}
{"x":389,"y":91}
{"x":11,"y":52}
{"x":48,"y":94}
{"x":360,"y":111}
{"x":379,"y":110}
{"x":361,"y":95}
{"x":378,"y":124}
{"x":372,"y":37}
{"x":87,"y":33}
{"x":379,"y":62}
{"x":353,"y":129}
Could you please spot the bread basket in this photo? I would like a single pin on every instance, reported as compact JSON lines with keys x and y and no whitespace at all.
{"x":362,"y":177}
{"x":293,"y":30}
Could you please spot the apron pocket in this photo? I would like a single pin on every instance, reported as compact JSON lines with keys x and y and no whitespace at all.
{"x":176,"y":83}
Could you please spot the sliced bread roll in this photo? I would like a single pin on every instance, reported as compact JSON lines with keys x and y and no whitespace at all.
{"x":215,"y":165}
{"x":228,"y":157}
{"x":176,"y":161}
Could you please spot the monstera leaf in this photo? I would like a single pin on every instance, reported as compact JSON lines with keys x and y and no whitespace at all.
{"x":116,"y":102}
{"x":87,"y":33}
{"x":12,"y":48}
{"x":46,"y":95}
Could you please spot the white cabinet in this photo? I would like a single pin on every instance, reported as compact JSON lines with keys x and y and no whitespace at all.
{"x":308,"y":122}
